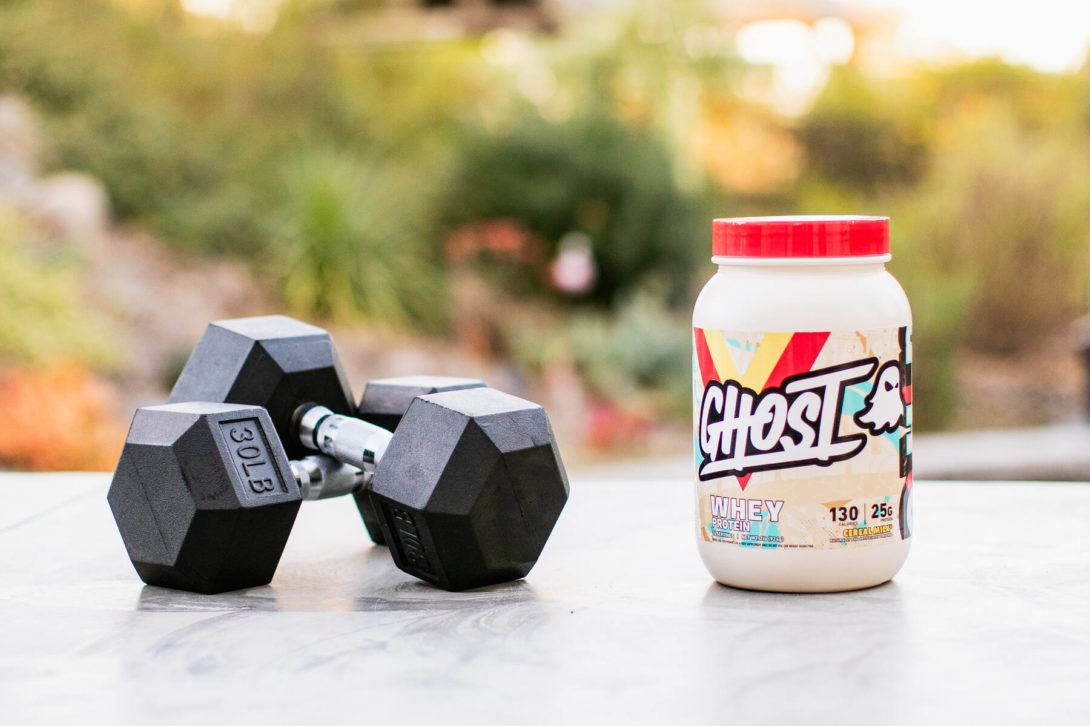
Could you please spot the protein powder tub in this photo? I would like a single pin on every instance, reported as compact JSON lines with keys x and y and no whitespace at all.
{"x":802,"y":361}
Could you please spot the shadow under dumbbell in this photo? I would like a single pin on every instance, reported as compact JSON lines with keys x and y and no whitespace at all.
{"x":365,"y":594}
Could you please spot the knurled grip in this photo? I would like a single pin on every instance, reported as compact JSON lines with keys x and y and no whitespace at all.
{"x":346,"y":439}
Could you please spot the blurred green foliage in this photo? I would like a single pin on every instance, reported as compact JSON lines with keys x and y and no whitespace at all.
{"x":195,"y":131}
{"x":42,"y":315}
{"x":591,"y":174}
{"x":637,"y":354}
{"x":995,"y":241}
{"x":1002,"y":215}
{"x":350,"y":239}
{"x":980,"y":168}
{"x":339,"y":163}
{"x":641,"y":350}
{"x":862,"y":134}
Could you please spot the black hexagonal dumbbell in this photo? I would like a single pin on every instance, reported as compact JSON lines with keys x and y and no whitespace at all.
{"x":466,"y":491}
{"x":383,"y":403}
{"x":278,"y":363}
{"x":205,"y":497}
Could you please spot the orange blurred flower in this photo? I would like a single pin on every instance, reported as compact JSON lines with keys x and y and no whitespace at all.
{"x":58,"y":417}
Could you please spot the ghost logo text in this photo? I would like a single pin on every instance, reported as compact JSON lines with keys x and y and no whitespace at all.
{"x":797,"y":424}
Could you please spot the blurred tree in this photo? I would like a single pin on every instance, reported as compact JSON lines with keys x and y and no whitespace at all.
{"x":593,"y":175}
{"x":1004,"y":211}
{"x":860,"y":135}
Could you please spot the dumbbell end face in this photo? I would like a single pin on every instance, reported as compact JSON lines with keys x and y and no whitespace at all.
{"x":227,"y":551}
{"x":384,"y":403}
{"x":203,"y":496}
{"x":470,"y":488}
{"x":443,"y":550}
{"x":407,"y":534}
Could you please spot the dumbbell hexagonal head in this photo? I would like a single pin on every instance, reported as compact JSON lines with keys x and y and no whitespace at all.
{"x":201,"y":522}
{"x":469,"y":488}
{"x":385,"y":400}
{"x":274,"y":362}
{"x":383,"y":403}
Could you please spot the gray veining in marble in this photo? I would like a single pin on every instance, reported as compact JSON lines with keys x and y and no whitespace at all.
{"x":989,"y":622}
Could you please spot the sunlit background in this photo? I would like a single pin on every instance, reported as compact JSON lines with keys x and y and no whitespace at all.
{"x":522,"y":191}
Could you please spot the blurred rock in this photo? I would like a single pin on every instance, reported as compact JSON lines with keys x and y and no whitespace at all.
{"x":19,"y":143}
{"x":73,"y":206}
{"x":70,"y":207}
{"x":162,"y":300}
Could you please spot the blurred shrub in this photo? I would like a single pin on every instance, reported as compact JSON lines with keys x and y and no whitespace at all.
{"x":124,"y":115}
{"x":993,"y":246}
{"x":861,"y":133}
{"x":1004,"y":212}
{"x":193,"y":128}
{"x":875,"y":135}
{"x":638,"y":357}
{"x":593,"y":175}
{"x":42,"y":314}
{"x":641,"y":350}
{"x":177,"y":111}
{"x":938,"y":324}
{"x":352,"y":237}
{"x":57,"y":417}
{"x":980,"y":167}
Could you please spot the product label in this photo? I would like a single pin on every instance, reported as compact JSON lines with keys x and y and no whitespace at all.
{"x":803,"y":440}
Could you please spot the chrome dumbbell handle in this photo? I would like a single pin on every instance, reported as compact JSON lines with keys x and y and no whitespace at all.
{"x":320,"y":477}
{"x":346,"y":439}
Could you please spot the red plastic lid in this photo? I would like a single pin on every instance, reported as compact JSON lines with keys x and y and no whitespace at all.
{"x":802,"y":236}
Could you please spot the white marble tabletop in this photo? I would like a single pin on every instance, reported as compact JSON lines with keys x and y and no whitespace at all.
{"x":989,"y":622}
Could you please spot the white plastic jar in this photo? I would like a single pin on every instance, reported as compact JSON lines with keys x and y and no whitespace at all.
{"x":802,"y":406}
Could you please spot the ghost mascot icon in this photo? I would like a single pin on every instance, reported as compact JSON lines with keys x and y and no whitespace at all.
{"x":884,"y":408}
